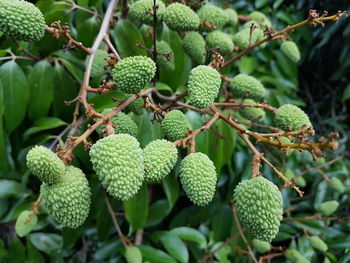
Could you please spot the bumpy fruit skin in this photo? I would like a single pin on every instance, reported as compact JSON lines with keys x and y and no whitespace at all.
{"x":160,"y":157}
{"x":252,"y":113}
{"x":291,"y":117}
{"x":232,"y":17}
{"x":294,"y":256}
{"x":261,"y":246}
{"x":244,"y":86}
{"x":45,"y":164}
{"x":194,"y":46}
{"x":21,"y":20}
{"x":198,"y":178}
{"x":133,"y":255}
{"x":162,"y":61}
{"x":219,"y":40}
{"x":142,"y":11}
{"x":318,"y":243}
{"x":241,"y":38}
{"x":118,"y":162}
{"x":136,"y":106}
{"x":175,"y":125}
{"x":203,"y":86}
{"x":26,"y":221}
{"x":99,"y":63}
{"x":180,"y":18}
{"x":291,"y":51}
{"x":124,"y":124}
{"x":213,"y":15}
{"x":68,"y":202}
{"x":131,"y":74}
{"x":328,"y":208}
{"x":259,"y":207}
{"x":260,"y":18}
{"x":337,"y":185}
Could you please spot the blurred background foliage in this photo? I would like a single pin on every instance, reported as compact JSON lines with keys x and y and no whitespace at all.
{"x":33,"y":112}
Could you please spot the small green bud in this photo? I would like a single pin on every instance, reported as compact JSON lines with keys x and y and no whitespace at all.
{"x":328,"y":208}
{"x":318,"y":243}
{"x":261,"y":246}
{"x":337,"y":185}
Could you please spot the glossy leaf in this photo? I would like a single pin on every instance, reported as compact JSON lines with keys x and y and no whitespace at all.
{"x":155,"y":255}
{"x":44,"y":124}
{"x":174,"y":246}
{"x":16,"y":92}
{"x":46,"y":242}
{"x":190,"y":234}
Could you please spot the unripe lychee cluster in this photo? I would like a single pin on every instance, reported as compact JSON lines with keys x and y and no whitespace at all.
{"x":68,"y":201}
{"x":119,"y":164}
{"x":203,"y":86}
{"x":123,"y":124}
{"x":213,"y":16}
{"x":198,"y":178}
{"x":232,"y":16}
{"x":241,"y":39}
{"x":136,"y":106}
{"x":21,"y":20}
{"x":291,"y":117}
{"x":260,"y":18}
{"x":175,"y":125}
{"x":259,"y":207}
{"x":142,"y":11}
{"x":194,"y":46}
{"x":131,"y":74}
{"x":244,"y":86}
{"x":180,"y":17}
{"x":220,"y":41}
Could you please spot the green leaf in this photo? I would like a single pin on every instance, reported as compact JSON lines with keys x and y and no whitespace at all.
{"x":41,"y":86}
{"x":157,"y":212}
{"x":155,"y":255}
{"x":16,"y":91}
{"x":190,"y":234}
{"x":171,"y":189}
{"x":346,"y":94}
{"x":247,"y":64}
{"x":34,"y":255}
{"x":64,"y":90}
{"x":104,"y":101}
{"x":46,"y":242}
{"x":136,"y":209}
{"x":178,"y":76}
{"x":88,"y":30}
{"x":222,"y":222}
{"x":144,"y":123}
{"x":126,"y":35}
{"x":44,"y":124}
{"x":339,"y":243}
{"x":10,"y":188}
{"x":174,"y":245}
{"x":74,"y":69}
{"x":3,"y":161}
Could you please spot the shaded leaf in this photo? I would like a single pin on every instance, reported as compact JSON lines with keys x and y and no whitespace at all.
{"x":190,"y":234}
{"x":44,"y":124}
{"x":155,"y":255}
{"x":46,"y":242}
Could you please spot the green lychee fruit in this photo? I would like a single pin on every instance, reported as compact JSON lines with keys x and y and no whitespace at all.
{"x":212,"y":15}
{"x":118,"y":162}
{"x":175,"y":125}
{"x":45,"y":164}
{"x":337,"y":185}
{"x":251,"y":112}
{"x":291,"y":117}
{"x":136,"y":106}
{"x":180,"y":18}
{"x":244,"y":86}
{"x":99,"y":63}
{"x":259,"y":207}
{"x":232,"y":16}
{"x":165,"y":63}
{"x":198,"y":178}
{"x":220,"y":41}
{"x":142,"y":11}
{"x":328,"y":208}
{"x":318,"y":243}
{"x":194,"y":46}
{"x":291,"y":51}
{"x":261,"y":246}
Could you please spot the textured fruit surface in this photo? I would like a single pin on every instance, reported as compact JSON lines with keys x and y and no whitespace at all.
{"x":133,"y":255}
{"x":166,"y":63}
{"x":219,"y":40}
{"x":291,"y":51}
{"x":118,"y":162}
{"x":244,"y":86}
{"x":136,"y":106}
{"x":290,"y":117}
{"x":160,"y":157}
{"x":194,"y":46}
{"x":328,"y":208}
{"x":142,"y":11}
{"x":261,"y":246}
{"x":318,"y":243}
{"x":203,"y":86}
{"x":259,"y":207}
{"x":212,"y":15}
{"x":99,"y":63}
{"x":232,"y":17}
{"x":337,"y":185}
{"x":252,"y":113}
{"x":241,"y":38}
{"x":131,"y":74}
{"x":123,"y":123}
{"x":294,"y":256}
{"x":198,"y":178}
{"x":21,"y":20}
{"x":260,"y":18}
{"x":180,"y":17}
{"x":26,"y":221}
{"x":68,"y":202}
{"x":45,"y":164}
{"x":175,"y":125}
